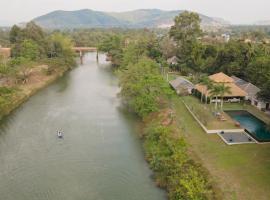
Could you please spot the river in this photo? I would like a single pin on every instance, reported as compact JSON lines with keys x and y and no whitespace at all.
{"x":100,"y":156}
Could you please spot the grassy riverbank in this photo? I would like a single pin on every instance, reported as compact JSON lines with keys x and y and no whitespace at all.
{"x":167,"y":152}
{"x":241,"y":172}
{"x":37,"y":59}
{"x":14,"y":94}
{"x":147,"y":94}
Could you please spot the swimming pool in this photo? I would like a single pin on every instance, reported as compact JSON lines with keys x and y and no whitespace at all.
{"x":254,"y":126}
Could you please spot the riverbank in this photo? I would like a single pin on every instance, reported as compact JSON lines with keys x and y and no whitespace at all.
{"x":146,"y":93}
{"x":177,"y":168}
{"x":37,"y":80}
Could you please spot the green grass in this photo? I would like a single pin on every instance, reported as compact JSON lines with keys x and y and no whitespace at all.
{"x":172,"y":76}
{"x":239,"y":171}
{"x":204,"y":112}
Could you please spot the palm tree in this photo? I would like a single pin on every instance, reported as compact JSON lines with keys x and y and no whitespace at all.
{"x":205,"y":81}
{"x":215,"y":92}
{"x":224,"y":89}
{"x":219,"y":90}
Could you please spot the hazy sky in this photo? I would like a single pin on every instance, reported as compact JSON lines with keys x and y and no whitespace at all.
{"x":235,"y":11}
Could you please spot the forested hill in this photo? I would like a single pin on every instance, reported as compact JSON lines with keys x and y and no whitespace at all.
{"x":132,"y":19}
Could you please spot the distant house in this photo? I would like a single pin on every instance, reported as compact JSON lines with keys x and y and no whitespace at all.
{"x":236,"y":93}
{"x":182,"y":86}
{"x":252,"y":92}
{"x":173,"y":60}
{"x":5,"y":52}
{"x":226,"y":37}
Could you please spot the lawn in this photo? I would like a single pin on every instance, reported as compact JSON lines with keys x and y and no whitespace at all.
{"x":205,"y":113}
{"x":172,"y":76}
{"x":241,"y":172}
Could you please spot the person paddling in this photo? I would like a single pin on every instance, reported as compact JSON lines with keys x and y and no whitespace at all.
{"x":59,"y":134}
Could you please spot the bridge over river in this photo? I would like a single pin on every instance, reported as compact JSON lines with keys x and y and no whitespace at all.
{"x":83,"y":50}
{"x":100,"y":156}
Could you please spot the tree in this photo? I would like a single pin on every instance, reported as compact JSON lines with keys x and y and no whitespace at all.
{"x":60,"y":46}
{"x":224,"y":89}
{"x":113,"y":45}
{"x":15,"y":35}
{"x":264,"y":94}
{"x":29,"y":50}
{"x":258,"y":71}
{"x":34,"y":32}
{"x":185,"y":33}
{"x":219,"y":90}
{"x":205,"y":81}
{"x":215,"y":92}
{"x":132,"y":54}
{"x":142,"y":86}
{"x":168,"y":47}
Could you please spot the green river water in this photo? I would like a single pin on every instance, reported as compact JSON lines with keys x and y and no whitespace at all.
{"x":100,"y":157}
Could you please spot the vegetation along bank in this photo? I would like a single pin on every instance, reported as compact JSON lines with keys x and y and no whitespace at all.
{"x":37,"y":59}
{"x":141,"y":60}
{"x":145,"y":91}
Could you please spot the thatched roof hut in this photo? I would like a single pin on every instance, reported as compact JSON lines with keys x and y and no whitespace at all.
{"x":221,"y":78}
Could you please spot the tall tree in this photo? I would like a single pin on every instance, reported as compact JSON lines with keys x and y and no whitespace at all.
{"x":215,"y":92}
{"x":264,"y":94}
{"x":15,"y":35}
{"x":223,"y":89}
{"x":185,"y":33}
{"x":29,"y":50}
{"x":142,"y":86}
{"x":258,"y":71}
{"x":205,"y":81}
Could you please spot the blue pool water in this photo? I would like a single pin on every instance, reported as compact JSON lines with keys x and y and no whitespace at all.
{"x":256,"y":127}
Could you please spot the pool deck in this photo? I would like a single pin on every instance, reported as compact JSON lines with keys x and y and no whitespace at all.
{"x":234,"y":136}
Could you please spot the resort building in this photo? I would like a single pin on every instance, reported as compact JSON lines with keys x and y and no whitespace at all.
{"x":182,"y":86}
{"x":252,"y":92}
{"x":236,"y":93}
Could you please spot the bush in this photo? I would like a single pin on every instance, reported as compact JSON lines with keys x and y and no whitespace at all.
{"x":167,"y":156}
{"x":142,"y":86}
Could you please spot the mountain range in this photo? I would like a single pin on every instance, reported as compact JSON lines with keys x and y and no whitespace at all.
{"x":86,"y":18}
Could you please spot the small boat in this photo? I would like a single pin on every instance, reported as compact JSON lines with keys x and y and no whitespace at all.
{"x":59,"y":134}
